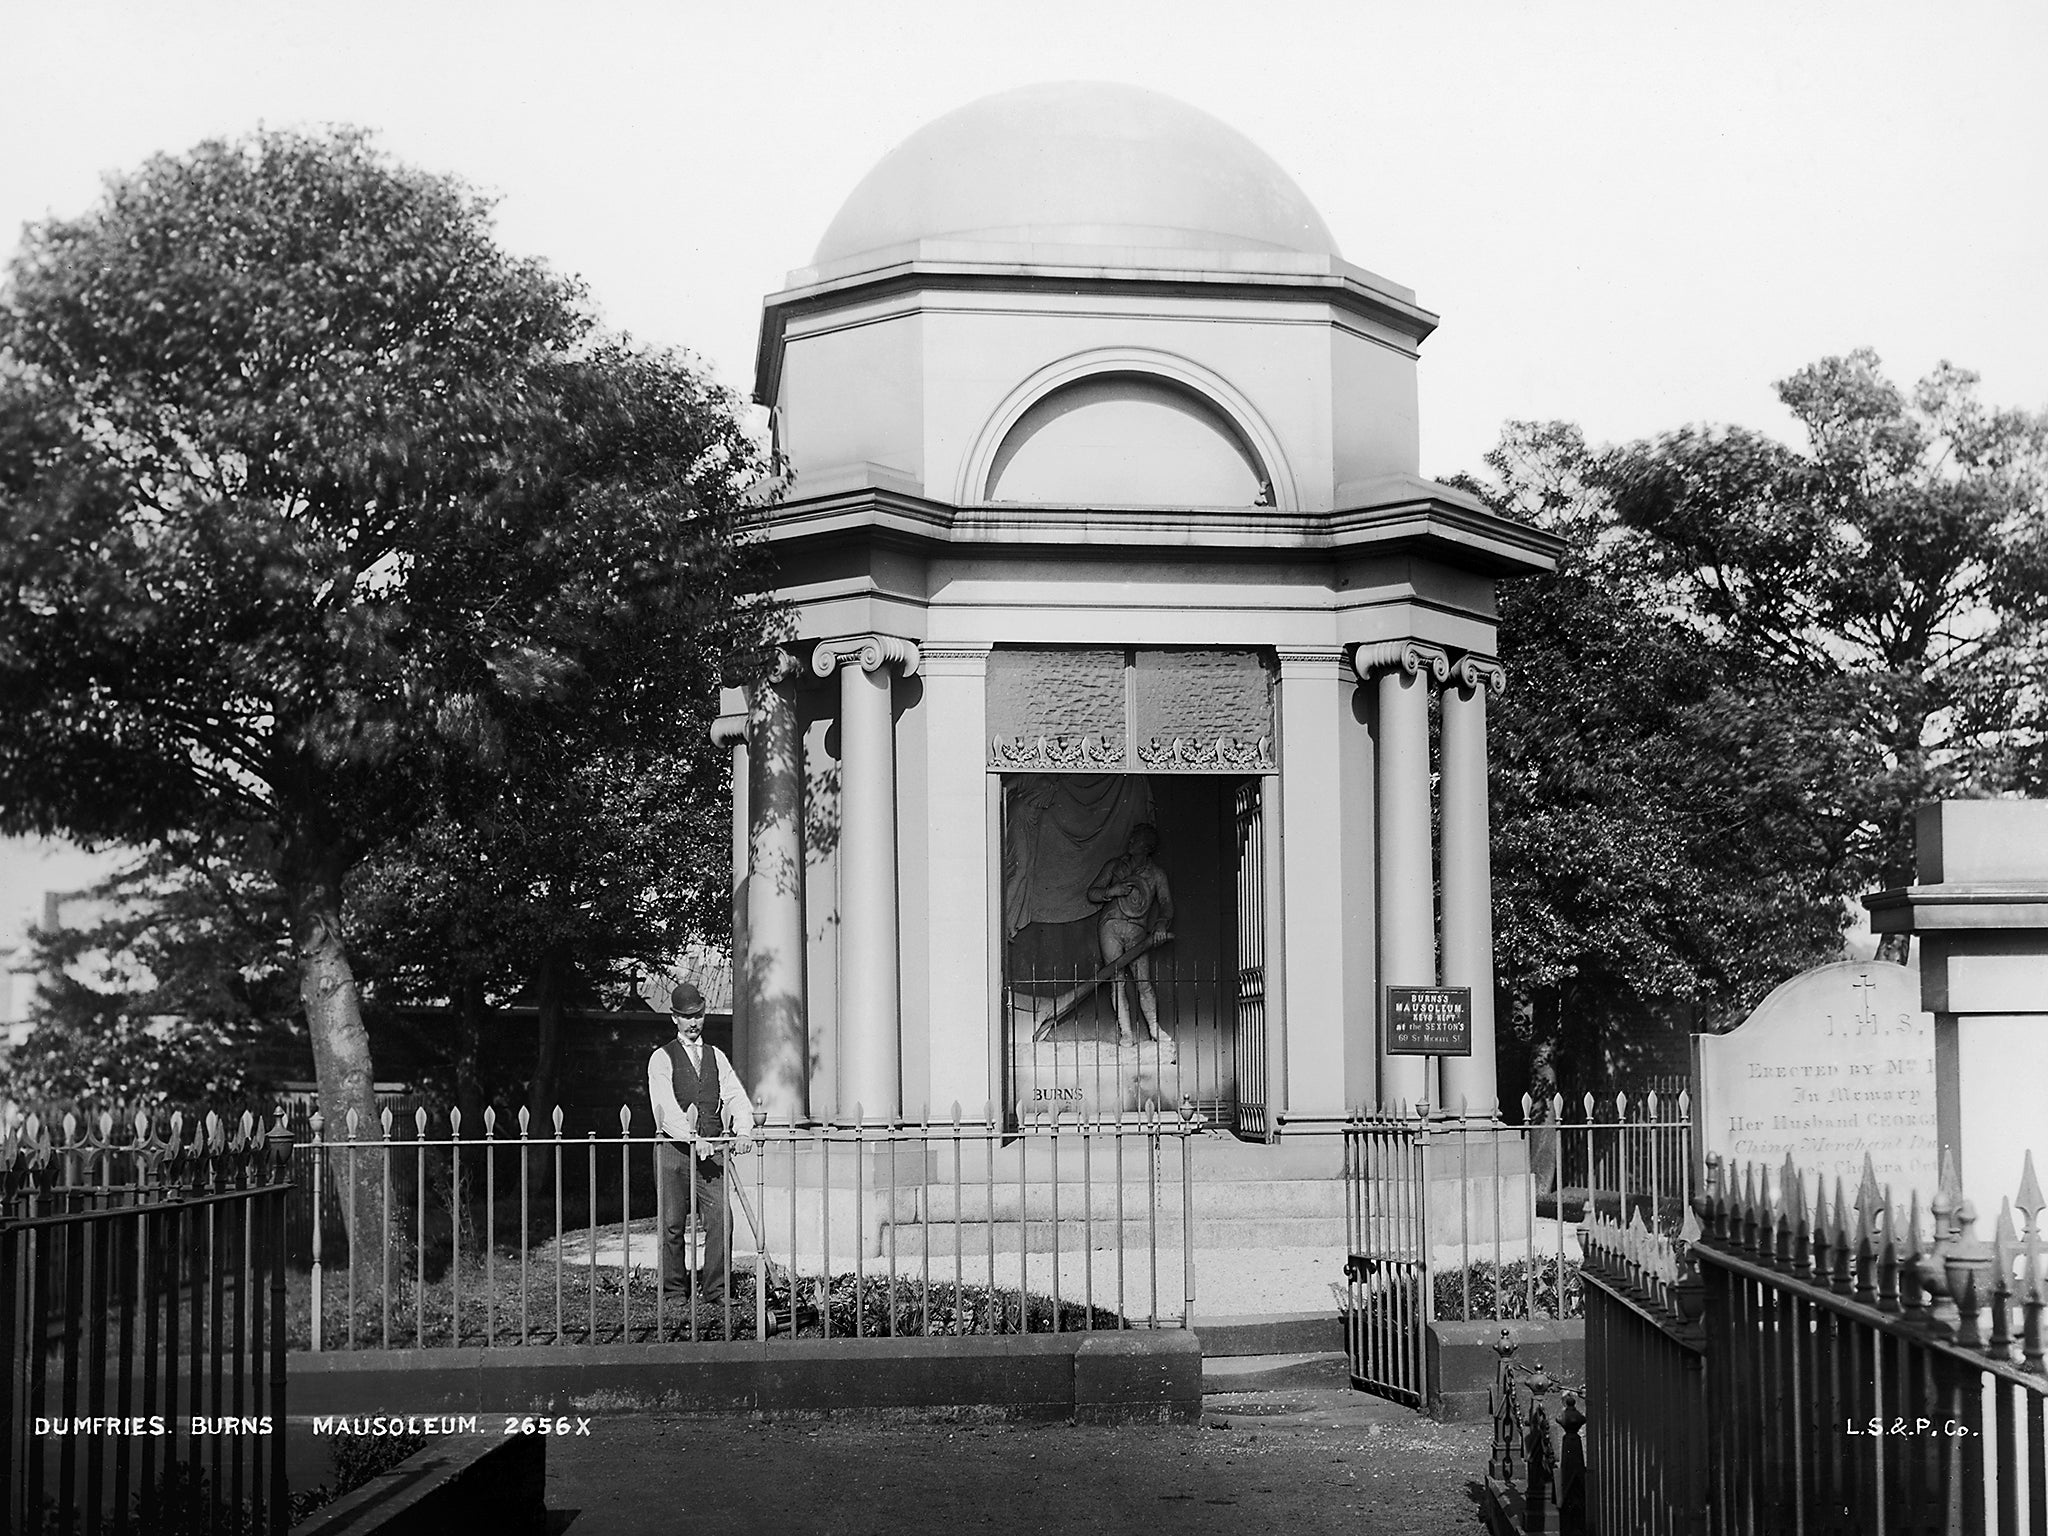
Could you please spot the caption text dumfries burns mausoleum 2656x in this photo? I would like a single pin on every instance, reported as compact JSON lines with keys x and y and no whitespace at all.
{"x":1105,"y":513}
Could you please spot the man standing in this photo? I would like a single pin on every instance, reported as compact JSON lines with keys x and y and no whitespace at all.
{"x":1137,"y":906}
{"x":697,"y":1097}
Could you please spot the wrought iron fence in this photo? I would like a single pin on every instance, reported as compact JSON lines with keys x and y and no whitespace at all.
{"x":1064,"y":1044}
{"x":1536,"y":1476}
{"x":1646,"y":1371}
{"x":142,"y":1337}
{"x":857,"y":1230}
{"x":1463,"y":1218}
{"x":1861,"y":1373}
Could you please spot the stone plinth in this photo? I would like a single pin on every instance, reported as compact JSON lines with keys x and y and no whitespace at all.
{"x":1094,"y":1076}
{"x":1980,"y":911}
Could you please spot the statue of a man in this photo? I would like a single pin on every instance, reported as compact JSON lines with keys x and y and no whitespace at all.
{"x":1137,"y":906}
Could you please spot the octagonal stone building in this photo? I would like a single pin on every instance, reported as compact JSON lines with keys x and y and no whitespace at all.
{"x":1105,"y":511}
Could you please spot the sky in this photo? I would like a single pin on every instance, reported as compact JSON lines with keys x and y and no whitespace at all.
{"x":1629,"y":215}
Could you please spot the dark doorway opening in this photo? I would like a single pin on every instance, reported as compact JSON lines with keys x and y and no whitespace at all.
{"x":1071,"y":1043}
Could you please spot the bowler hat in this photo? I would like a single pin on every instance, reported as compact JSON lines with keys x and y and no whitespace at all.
{"x":686,"y":1000}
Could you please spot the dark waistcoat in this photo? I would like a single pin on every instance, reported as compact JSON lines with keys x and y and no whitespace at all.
{"x":698,"y":1088}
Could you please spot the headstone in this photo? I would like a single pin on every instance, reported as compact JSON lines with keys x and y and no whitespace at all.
{"x":1836,"y":1063}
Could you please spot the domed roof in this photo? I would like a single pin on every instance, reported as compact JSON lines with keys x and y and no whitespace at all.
{"x":1078,"y":164}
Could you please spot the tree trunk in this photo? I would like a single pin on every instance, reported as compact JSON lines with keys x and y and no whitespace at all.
{"x":311,"y":878}
{"x":1543,"y":1148}
{"x":550,"y":987}
{"x":469,"y":1031}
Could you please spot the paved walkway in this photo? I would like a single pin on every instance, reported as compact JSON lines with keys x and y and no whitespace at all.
{"x":1285,"y":1446}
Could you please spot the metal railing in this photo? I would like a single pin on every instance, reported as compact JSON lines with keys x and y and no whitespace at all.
{"x":1858,"y":1376}
{"x":1061,"y":1045}
{"x":1463,"y":1218}
{"x":508,"y":1237}
{"x":1646,"y":1371}
{"x":142,"y":1327}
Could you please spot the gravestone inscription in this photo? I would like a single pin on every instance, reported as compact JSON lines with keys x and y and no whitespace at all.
{"x":1835,"y":1064}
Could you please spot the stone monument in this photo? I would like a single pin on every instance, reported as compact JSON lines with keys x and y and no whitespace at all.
{"x":1979,"y":911}
{"x":1835,"y":1065}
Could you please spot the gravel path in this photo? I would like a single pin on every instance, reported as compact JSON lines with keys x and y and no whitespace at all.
{"x":1305,"y":1457}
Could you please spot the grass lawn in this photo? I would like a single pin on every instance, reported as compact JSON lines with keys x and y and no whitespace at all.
{"x":472,"y":1305}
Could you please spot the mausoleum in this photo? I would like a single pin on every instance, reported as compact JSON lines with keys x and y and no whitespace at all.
{"x":1105,"y":513}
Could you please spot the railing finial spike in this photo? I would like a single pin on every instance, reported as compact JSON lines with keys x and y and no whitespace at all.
{"x":2029,"y":1198}
{"x":2005,"y":1242}
{"x":1869,"y":1198}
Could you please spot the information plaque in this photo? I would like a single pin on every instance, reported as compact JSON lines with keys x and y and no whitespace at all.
{"x":1429,"y":1021}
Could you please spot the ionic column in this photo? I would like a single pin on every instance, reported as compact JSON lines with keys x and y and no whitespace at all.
{"x":730,"y":730}
{"x":869,"y":1048}
{"x":1467,"y":875}
{"x":770,"y":971}
{"x":1401,"y":671}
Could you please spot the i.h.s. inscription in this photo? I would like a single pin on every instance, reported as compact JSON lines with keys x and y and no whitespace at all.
{"x":1836,"y":1064}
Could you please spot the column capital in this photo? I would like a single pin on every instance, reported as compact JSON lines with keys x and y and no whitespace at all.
{"x":1473,"y":671}
{"x":871,"y":652}
{"x":1414,"y":657}
{"x":783,"y":666}
{"x":729,"y":731}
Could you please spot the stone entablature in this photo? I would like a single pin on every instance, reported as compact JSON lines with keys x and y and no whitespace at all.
{"x":1193,"y":710}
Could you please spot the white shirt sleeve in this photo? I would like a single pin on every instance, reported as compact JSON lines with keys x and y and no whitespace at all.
{"x":732,"y":1098}
{"x":661,"y":1092}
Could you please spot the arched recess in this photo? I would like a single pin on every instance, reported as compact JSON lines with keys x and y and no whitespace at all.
{"x":1179,"y":407}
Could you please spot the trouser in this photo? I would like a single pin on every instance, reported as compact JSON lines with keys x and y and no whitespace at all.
{"x":678,"y":1170}
{"x":1116,"y":935}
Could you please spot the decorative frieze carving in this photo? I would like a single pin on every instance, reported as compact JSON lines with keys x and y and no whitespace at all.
{"x":1221,"y":752}
{"x":1412,"y":656}
{"x":1043,"y":752}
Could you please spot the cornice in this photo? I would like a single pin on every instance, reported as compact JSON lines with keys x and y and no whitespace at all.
{"x":1442,"y":526}
{"x":1958,"y":908}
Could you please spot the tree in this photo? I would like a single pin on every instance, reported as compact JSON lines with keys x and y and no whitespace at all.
{"x":1652,"y":842}
{"x":182,"y":990}
{"x":1897,"y":565}
{"x":308,"y":495}
{"x":589,"y":861}
{"x":1752,"y":662}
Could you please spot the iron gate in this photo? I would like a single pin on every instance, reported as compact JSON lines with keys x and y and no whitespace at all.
{"x":1386,"y":1220}
{"x":1250,"y":1022}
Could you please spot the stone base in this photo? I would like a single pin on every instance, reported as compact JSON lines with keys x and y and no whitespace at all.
{"x":1092,"y":1076}
{"x":1462,"y":1367}
{"x":1479,"y":1196}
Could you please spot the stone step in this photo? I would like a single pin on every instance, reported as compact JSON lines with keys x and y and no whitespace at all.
{"x":1072,"y":1236}
{"x":1216,"y":1159}
{"x":941,"y":1203}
